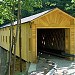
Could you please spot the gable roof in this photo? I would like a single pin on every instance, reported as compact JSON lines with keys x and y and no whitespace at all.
{"x":30,"y":18}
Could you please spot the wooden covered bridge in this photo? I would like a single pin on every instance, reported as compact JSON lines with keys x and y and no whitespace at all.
{"x":52,"y":31}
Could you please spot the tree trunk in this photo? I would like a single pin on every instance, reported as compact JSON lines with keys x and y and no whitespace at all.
{"x":19,"y":22}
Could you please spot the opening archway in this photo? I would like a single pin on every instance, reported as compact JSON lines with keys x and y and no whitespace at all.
{"x":51,"y":41}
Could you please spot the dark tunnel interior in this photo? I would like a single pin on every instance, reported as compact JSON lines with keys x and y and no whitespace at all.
{"x":51,"y":41}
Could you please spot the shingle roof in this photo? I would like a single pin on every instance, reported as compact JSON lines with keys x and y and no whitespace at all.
{"x":30,"y":18}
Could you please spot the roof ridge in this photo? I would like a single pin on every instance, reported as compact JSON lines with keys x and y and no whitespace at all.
{"x":29,"y":18}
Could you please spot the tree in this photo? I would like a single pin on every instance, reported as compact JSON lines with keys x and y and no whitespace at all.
{"x":5,"y":8}
{"x":65,"y":5}
{"x":30,"y":7}
{"x":7,"y":13}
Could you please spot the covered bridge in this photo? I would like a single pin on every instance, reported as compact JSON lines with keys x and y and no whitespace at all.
{"x":52,"y":31}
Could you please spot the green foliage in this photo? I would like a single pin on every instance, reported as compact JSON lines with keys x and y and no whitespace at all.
{"x":65,"y":5}
{"x":30,"y":4}
{"x":73,"y":1}
{"x":1,"y":21}
{"x":29,"y":7}
{"x":6,"y":8}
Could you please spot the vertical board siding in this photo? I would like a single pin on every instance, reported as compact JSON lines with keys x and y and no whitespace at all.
{"x":3,"y":33}
{"x":72,"y":40}
{"x":67,"y":40}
